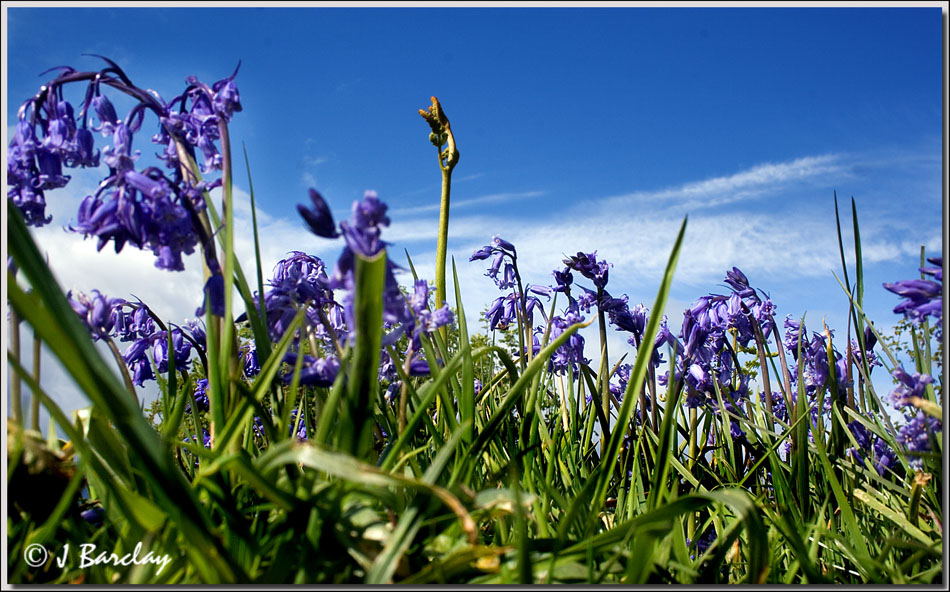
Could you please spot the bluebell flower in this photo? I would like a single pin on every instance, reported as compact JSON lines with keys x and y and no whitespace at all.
{"x":794,"y":332}
{"x":923,"y":297}
{"x":588,"y":266}
{"x":935,"y":270}
{"x":136,"y":359}
{"x":563,"y":279}
{"x":571,"y":353}
{"x":226,"y":98}
{"x":313,"y":371}
{"x":142,"y":208}
{"x":419,"y":366}
{"x":481,"y":254}
{"x":362,"y":231}
{"x":213,"y":296}
{"x":182,"y":349}
{"x":26,"y":189}
{"x":623,"y":377}
{"x":94,"y":516}
{"x":318,"y":217}
{"x":205,"y":440}
{"x":196,"y":329}
{"x":108,"y":119}
{"x":251,"y":366}
{"x":915,"y":437}
{"x":779,"y":409}
{"x":201,"y":396}
{"x":301,"y":430}
{"x":142,"y":325}
{"x":501,"y":243}
{"x":504,"y":254}
{"x":424,"y":320}
{"x":96,"y":311}
{"x":908,"y":386}
{"x":739,"y":283}
{"x":703,"y":542}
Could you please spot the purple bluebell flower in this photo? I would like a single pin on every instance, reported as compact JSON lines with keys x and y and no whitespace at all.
{"x":301,"y":429}
{"x":142,"y":325}
{"x":196,"y":329}
{"x":108,"y":119}
{"x":213,"y":296}
{"x":182,"y":349}
{"x":563,"y":279}
{"x":623,"y":377}
{"x":571,"y":353}
{"x":703,"y":542}
{"x":205,"y":440}
{"x":588,"y":266}
{"x":923,"y":297}
{"x":226,"y":98}
{"x":138,"y":362}
{"x":915,"y":437}
{"x":299,"y":281}
{"x":313,"y":371}
{"x":424,"y":320}
{"x":26,"y":190}
{"x":908,"y":386}
{"x":885,"y":457}
{"x":251,"y":366}
{"x":739,"y":283}
{"x":503,"y":262}
{"x":481,"y":254}
{"x":794,"y":332}
{"x":779,"y":409}
{"x":201,"y":396}
{"x":142,"y":208}
{"x":362,"y":231}
{"x":96,"y":311}
{"x":318,"y":217}
{"x":586,"y":300}
{"x":419,"y":366}
{"x":94,"y":516}
{"x":257,"y":427}
{"x":935,"y":270}
{"x":501,"y":243}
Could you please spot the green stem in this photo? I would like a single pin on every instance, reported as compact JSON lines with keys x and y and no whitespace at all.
{"x":16,"y":402}
{"x":35,"y":401}
{"x":603,"y":380}
{"x":442,"y":247}
{"x":123,"y":367}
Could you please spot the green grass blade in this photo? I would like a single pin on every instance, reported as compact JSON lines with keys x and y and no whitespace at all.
{"x":369,"y":278}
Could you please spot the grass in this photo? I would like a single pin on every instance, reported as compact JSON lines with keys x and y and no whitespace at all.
{"x":449,"y":483}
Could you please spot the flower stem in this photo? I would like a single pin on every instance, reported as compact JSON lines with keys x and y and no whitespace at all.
{"x":35,"y":401}
{"x":448,"y":158}
{"x":123,"y":367}
{"x":442,"y":247}
{"x":16,"y":402}
{"x":603,"y":378}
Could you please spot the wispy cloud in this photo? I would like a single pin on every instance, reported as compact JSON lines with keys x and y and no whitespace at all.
{"x":716,"y":191}
{"x":458,"y":204}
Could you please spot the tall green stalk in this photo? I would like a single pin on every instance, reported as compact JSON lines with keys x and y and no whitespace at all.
{"x":442,"y":136}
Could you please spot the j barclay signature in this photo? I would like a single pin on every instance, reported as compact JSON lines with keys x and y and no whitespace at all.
{"x":88,"y":557}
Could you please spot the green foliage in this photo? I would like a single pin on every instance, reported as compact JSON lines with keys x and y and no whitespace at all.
{"x":521,"y":480}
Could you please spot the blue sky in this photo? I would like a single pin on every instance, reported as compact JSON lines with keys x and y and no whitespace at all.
{"x":579,"y":129}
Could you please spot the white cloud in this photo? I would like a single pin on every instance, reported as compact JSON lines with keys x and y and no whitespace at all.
{"x":745,"y":184}
{"x":457,"y":204}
